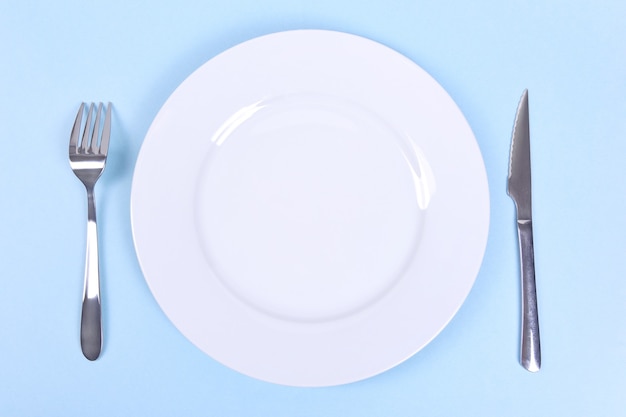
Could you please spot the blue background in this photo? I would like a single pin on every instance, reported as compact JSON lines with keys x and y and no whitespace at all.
{"x":569,"y":54}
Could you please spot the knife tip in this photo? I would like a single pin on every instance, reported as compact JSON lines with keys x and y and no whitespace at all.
{"x":523,"y":101}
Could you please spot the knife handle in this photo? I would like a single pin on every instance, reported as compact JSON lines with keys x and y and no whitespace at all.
{"x":530,"y":355}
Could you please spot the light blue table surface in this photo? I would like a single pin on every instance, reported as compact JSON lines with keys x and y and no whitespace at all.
{"x":571,"y":55}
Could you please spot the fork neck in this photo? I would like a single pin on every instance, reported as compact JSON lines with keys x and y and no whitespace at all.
{"x":91,"y":203}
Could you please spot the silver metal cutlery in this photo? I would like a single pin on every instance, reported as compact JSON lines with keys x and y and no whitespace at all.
{"x":88,"y":155}
{"x":88,"y":149}
{"x":519,"y":188}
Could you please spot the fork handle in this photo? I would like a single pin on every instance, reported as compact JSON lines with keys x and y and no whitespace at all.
{"x":530,"y":355}
{"x":91,"y":316}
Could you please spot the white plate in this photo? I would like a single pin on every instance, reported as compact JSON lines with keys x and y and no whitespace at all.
{"x":310,"y":208}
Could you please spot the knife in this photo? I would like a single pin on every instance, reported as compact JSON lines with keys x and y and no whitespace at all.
{"x":519,"y":188}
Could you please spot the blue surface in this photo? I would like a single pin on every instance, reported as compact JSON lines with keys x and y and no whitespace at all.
{"x":569,"y":54}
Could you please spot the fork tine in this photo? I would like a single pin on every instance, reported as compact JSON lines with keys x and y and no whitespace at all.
{"x":106,"y":131}
{"x":93,"y":148}
{"x":84,"y":144}
{"x":76,"y":128}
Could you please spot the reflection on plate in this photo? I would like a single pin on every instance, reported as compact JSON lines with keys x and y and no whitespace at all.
{"x":310,"y":208}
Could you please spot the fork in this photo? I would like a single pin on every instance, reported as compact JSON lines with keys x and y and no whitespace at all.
{"x":87,"y":160}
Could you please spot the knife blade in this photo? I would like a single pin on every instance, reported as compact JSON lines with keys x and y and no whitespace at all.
{"x":519,"y":188}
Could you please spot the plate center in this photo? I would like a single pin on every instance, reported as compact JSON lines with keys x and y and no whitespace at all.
{"x":309,"y":207}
